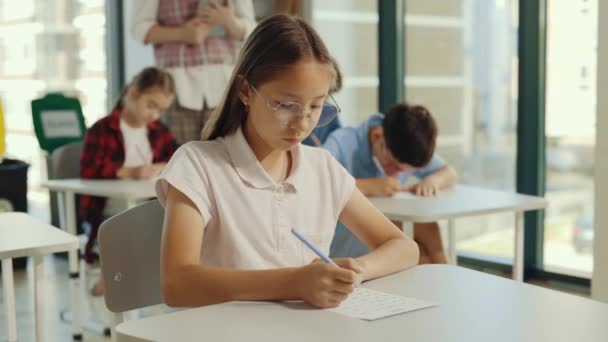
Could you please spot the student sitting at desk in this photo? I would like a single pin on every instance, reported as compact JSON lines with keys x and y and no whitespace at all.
{"x":130,"y":142}
{"x":232,"y":200}
{"x":382,"y":153}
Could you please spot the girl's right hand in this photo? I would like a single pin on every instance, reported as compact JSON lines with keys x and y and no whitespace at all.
{"x":324,"y":285}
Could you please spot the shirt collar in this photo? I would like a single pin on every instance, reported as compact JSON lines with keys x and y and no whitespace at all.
{"x":249,"y":168}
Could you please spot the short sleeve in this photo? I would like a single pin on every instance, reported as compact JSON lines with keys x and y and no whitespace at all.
{"x":144,"y":17}
{"x":186,"y":172}
{"x":435,"y":164}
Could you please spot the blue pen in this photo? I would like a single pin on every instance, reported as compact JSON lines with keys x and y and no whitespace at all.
{"x":314,"y":248}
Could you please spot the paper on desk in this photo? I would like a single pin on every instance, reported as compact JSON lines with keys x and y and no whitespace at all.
{"x":370,"y":305}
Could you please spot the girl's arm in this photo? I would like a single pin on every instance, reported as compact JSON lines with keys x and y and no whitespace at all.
{"x":392,"y":251}
{"x":187,"y":283}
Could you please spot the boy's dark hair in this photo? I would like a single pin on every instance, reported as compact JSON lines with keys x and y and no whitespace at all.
{"x":410,"y":133}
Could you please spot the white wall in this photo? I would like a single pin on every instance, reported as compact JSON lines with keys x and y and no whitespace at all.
{"x":137,"y":55}
{"x":599,"y":286}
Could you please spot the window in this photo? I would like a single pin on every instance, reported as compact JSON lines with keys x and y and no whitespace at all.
{"x":461,"y":63}
{"x":350,"y":30}
{"x":570,"y":129}
{"x":49,"y":46}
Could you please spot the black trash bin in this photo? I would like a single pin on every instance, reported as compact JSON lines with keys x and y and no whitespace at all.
{"x":13,"y":187}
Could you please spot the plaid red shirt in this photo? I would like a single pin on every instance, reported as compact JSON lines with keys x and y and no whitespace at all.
{"x":212,"y":51}
{"x":103,"y":154}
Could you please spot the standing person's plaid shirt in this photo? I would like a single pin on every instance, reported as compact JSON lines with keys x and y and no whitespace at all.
{"x":103,"y":154}
{"x":174,"y":13}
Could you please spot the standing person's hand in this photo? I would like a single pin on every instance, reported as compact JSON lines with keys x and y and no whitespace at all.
{"x":195,"y":31}
{"x":218,"y":14}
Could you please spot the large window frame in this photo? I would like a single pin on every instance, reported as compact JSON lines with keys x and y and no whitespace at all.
{"x":391,"y":72}
{"x":530,"y":128}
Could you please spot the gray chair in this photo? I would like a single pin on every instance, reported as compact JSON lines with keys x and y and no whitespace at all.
{"x":129,"y":247}
{"x":63,"y":163}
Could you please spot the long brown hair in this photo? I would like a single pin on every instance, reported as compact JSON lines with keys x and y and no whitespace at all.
{"x":277,"y":43}
{"x":148,"y":78}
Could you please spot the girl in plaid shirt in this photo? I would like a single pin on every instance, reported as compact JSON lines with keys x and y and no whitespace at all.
{"x":129,"y":143}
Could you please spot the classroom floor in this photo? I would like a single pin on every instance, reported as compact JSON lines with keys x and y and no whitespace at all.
{"x":56,"y":299}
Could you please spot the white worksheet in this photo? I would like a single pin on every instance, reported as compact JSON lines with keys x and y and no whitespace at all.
{"x":370,"y":305}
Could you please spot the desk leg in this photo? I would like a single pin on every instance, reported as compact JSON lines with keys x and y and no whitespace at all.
{"x":70,"y":220}
{"x":518,"y":262}
{"x":8,"y":293}
{"x":117,"y":318}
{"x":38,"y":297}
{"x":453,"y":259}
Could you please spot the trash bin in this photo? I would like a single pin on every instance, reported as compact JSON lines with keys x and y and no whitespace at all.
{"x":13,"y":191}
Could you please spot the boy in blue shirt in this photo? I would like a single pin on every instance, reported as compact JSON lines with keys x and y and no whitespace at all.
{"x":382,"y":153}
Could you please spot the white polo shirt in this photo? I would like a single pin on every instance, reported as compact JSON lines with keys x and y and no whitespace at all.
{"x":248,"y":215}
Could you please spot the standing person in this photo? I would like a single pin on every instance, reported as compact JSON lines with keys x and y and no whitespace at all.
{"x":197,"y":42}
{"x":231,"y":201}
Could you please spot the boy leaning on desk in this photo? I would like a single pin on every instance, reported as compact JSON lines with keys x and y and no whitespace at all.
{"x":382,"y":153}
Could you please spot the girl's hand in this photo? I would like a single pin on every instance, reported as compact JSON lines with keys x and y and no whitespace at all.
{"x":349,"y":264}
{"x":324,"y":285}
{"x":217,"y":14}
{"x":353,"y":265}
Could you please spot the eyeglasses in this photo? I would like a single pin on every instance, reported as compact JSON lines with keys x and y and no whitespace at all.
{"x":289,"y":112}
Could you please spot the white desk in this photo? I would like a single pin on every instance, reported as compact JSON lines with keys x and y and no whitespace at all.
{"x":20,"y":236}
{"x":130,"y":190}
{"x":473,"y":306}
{"x":462,"y":201}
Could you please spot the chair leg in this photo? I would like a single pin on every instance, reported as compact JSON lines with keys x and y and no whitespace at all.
{"x":117,"y":318}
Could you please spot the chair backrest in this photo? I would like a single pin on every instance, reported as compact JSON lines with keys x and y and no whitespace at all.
{"x":65,"y":161}
{"x":129,"y":246}
{"x":58,"y":120}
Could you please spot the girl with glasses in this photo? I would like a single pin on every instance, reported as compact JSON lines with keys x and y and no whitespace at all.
{"x":231,"y":200}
